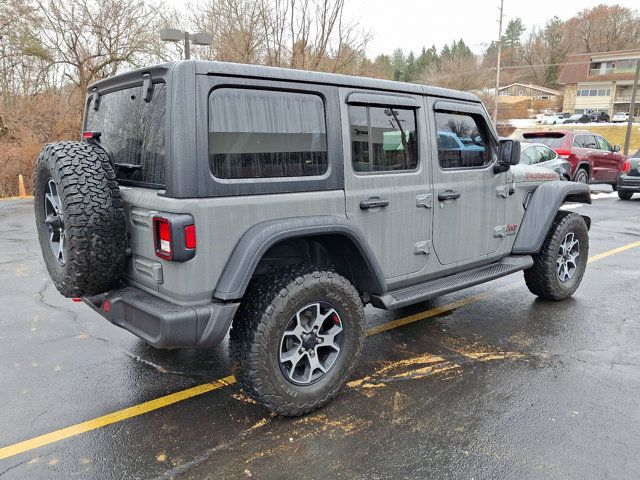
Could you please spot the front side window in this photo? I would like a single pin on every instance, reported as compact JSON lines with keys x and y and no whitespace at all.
{"x":527,"y":156}
{"x":266,"y":134}
{"x":133,"y":130}
{"x":603,"y":144}
{"x":383,"y":139}
{"x":546,"y":154}
{"x":463,"y":141}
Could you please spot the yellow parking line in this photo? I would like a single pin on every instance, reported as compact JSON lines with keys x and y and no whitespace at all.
{"x":432,"y":312}
{"x":608,"y":253}
{"x":158,"y":403}
{"x":114,"y":417}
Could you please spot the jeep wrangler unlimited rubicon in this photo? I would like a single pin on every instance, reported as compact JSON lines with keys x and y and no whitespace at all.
{"x":278,"y":203}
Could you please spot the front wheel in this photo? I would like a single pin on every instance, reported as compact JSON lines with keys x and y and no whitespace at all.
{"x":560,"y":264}
{"x":296,"y":338}
{"x":625,"y":194}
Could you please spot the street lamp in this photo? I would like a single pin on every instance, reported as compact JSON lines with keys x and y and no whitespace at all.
{"x":175,"y":35}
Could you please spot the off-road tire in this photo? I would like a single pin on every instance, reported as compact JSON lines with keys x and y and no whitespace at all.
{"x":267,"y":306}
{"x":542,"y":278}
{"x":93,"y":212}
{"x":625,"y":194}
{"x":581,"y":176}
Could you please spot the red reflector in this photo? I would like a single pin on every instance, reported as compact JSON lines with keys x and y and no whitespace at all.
{"x":626,"y":166}
{"x":190,"y":237}
{"x":76,"y":299}
{"x":87,"y":134}
{"x":162,"y":238}
{"x":106,"y":306}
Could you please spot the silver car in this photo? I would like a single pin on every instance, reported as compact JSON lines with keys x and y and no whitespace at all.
{"x":540,"y":155}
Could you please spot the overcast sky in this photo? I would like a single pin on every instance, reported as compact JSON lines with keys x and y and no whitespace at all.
{"x":412,"y":24}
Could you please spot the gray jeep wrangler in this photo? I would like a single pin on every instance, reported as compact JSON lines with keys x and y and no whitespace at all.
{"x":278,"y":203}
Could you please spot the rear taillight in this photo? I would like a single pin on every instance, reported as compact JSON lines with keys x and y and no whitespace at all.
{"x":626,"y":167}
{"x":563,"y":153}
{"x":162,"y":238}
{"x":174,"y":237}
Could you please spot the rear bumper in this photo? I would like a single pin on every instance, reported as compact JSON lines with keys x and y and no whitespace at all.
{"x":164,"y":324}
{"x":628,"y":182}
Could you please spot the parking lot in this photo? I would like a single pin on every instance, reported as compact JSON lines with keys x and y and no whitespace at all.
{"x":485,"y":383}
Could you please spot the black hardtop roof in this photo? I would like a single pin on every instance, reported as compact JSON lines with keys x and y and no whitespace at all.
{"x":203,"y":67}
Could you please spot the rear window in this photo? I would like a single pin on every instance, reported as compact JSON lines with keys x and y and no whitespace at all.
{"x":550,"y":140}
{"x":266,"y":134}
{"x":133,"y":130}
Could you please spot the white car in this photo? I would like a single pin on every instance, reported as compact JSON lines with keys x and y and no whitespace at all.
{"x":553,"y":119}
{"x":621,"y":117}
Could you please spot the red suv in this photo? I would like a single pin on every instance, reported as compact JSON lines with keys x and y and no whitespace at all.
{"x":591,"y":157}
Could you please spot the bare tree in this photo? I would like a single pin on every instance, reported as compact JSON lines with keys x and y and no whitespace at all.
{"x":605,"y":28}
{"x":305,"y":34}
{"x":91,"y":39}
{"x":461,"y":73}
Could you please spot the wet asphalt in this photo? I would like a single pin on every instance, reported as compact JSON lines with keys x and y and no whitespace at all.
{"x":505,"y":386}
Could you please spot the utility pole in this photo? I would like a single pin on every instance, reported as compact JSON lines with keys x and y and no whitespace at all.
{"x":632,"y":108}
{"x":497,"y":94}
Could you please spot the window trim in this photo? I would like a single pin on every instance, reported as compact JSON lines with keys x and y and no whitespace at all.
{"x":375,"y":105}
{"x":464,"y":109}
{"x":267,"y":180}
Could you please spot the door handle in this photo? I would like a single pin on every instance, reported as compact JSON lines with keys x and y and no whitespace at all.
{"x":373,"y":202}
{"x":448,"y":195}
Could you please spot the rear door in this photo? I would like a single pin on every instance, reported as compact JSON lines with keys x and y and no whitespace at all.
{"x":470,"y":199}
{"x":385,"y":175}
{"x":584,"y":147}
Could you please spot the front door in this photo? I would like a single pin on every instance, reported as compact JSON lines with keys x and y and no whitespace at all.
{"x":606,"y":160}
{"x":386,"y":189}
{"x":469,"y":198}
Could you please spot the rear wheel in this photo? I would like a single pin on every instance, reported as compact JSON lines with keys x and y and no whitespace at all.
{"x":296,"y":337}
{"x":560,"y":264}
{"x":614,"y":187}
{"x":582,"y":176}
{"x":625,"y":194}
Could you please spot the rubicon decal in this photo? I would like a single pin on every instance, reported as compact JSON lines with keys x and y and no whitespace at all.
{"x":505,"y":230}
{"x":533,"y":176}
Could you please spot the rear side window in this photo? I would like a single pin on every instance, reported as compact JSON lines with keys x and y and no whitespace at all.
{"x":553,"y":140}
{"x":585,"y":141}
{"x":383,"y":139}
{"x":133,"y":130}
{"x":266,"y":134}
{"x":463,"y":141}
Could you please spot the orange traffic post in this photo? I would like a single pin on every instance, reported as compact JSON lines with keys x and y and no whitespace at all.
{"x":21,"y":190}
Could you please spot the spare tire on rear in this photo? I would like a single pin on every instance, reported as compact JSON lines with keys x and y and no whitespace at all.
{"x":80,"y":218}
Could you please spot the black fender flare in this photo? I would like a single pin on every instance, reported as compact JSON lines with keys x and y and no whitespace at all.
{"x":542,"y":208}
{"x":258,"y":239}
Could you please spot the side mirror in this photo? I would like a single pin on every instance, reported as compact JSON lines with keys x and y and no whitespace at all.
{"x":508,"y":155}
{"x":616,"y":148}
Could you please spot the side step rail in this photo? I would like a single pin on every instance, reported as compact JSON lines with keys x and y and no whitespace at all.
{"x":452,"y":283}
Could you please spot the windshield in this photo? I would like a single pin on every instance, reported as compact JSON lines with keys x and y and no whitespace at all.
{"x":133,"y":131}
